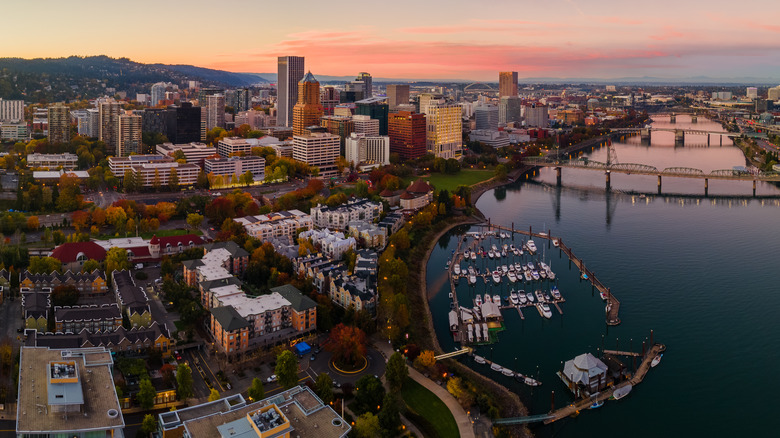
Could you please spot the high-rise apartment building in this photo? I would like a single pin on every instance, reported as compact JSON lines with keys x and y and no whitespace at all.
{"x":376,"y":108}
{"x":365,"y":125}
{"x":109,"y":111}
{"x":308,"y":111}
{"x":215,"y":111}
{"x":397,"y":94}
{"x":204,"y":93}
{"x":444,"y":126}
{"x":407,"y":134}
{"x":510,"y":109}
{"x":329,"y":98}
{"x":367,"y":150}
{"x":289,"y":74}
{"x":353,"y":91}
{"x":129,"y":135}
{"x":239,"y":99}
{"x":11,"y":110}
{"x":507,"y":83}
{"x":537,"y":116}
{"x":368,"y":85}
{"x":59,"y":123}
{"x":319,"y":149}
{"x":486,"y":117}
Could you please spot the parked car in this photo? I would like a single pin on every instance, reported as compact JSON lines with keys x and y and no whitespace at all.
{"x":272,"y":378}
{"x":313,"y":356}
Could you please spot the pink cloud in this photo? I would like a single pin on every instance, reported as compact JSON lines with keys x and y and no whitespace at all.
{"x":620,"y":20}
{"x":669,"y":33}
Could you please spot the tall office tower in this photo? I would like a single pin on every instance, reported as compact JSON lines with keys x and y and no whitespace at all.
{"x":397,"y":94}
{"x":341,"y":126}
{"x":215,"y":111}
{"x":368,"y":85}
{"x":486,"y":117}
{"x":11,"y":110}
{"x":204,"y":93}
{"x":155,"y":120}
{"x":329,"y":98}
{"x":240,"y":99}
{"x":444,"y":129}
{"x":376,"y":108}
{"x":507,"y":83}
{"x":537,"y":115}
{"x":109,"y":111}
{"x":425,"y":99}
{"x":290,"y":73}
{"x":510,"y":109}
{"x":129,"y":135}
{"x":308,"y":111}
{"x":93,"y":123}
{"x":158,"y":93}
{"x":183,"y":123}
{"x":752,"y":93}
{"x":59,"y":123}
{"x":353,"y":91}
{"x":407,"y":134}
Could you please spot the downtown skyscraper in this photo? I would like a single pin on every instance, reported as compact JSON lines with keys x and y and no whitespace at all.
{"x":289,"y":74}
{"x":308,"y":111}
{"x":507,"y":83}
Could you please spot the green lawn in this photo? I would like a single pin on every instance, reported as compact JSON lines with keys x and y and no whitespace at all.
{"x":444,"y":181}
{"x":425,"y":405}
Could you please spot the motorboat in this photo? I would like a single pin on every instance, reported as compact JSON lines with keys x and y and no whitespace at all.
{"x":527,"y":276}
{"x":545,"y":309}
{"x":597,"y":404}
{"x":518,"y":268}
{"x":478,"y":300}
{"x":497,"y":299}
{"x":531,"y":382}
{"x":530,"y":266}
{"x":456,"y":269}
{"x":621,"y":392}
{"x":550,"y":274}
{"x":543,"y":266}
{"x":512,"y":248}
{"x":496,"y":367}
{"x":584,"y":276}
{"x":479,"y":359}
{"x":535,"y":274}
{"x":511,"y":267}
{"x":656,"y":360}
{"x":450,"y":295}
{"x":522,"y":298}
{"x":472,"y":279}
{"x":471,"y":333}
{"x":512,"y":276}
{"x":473,"y":256}
{"x":555,"y":243}
{"x":494,"y":247}
{"x":490,"y":254}
{"x":488,"y":299}
{"x":478,"y":332}
{"x":603,"y":296}
{"x":531,"y":246}
{"x":542,"y":275}
{"x":555,"y":292}
{"x":530,"y":297}
{"x":507,"y":372}
{"x":471,"y":270}
{"x":547,"y":297}
{"x":513,"y":297}
{"x":539,"y":295}
{"x":497,"y":276}
{"x":504,"y":269}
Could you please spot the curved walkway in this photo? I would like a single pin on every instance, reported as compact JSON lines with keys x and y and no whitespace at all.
{"x":465,"y":429}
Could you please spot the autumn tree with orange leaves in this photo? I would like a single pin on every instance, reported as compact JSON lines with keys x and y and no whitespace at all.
{"x":348,"y":345}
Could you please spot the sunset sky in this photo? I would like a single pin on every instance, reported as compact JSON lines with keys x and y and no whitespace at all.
{"x":452,"y":39}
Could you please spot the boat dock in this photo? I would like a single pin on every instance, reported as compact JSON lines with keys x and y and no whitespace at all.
{"x":613,"y":304}
{"x":586,"y":403}
{"x":530,"y":381}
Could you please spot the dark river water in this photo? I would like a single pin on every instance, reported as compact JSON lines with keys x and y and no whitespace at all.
{"x":700,"y":272}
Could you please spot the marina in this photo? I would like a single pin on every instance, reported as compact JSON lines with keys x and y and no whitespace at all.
{"x":496,"y":256}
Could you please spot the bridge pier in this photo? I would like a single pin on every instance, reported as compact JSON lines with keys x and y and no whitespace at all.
{"x":672,"y":118}
{"x":679,"y":137}
{"x":721,"y":139}
{"x":708,"y":139}
{"x":558,"y":178}
{"x":694,"y":118}
{"x":754,"y":188}
{"x":659,"y":184}
{"x":706,"y":186}
{"x":644,"y":135}
{"x":607,"y":173}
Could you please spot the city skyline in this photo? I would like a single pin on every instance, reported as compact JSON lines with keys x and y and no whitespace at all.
{"x":566,"y":38}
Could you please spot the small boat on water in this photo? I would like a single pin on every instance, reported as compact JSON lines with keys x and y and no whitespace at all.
{"x":597,"y":404}
{"x":504,"y":269}
{"x":450,"y":294}
{"x":478,"y":300}
{"x":490,"y":254}
{"x":497,"y":299}
{"x":603,"y":296}
{"x":529,"y":266}
{"x":456,"y":269}
{"x":507,"y":372}
{"x":555,"y":243}
{"x":521,"y":298}
{"x":512,"y":276}
{"x":621,"y":392}
{"x":512,"y":247}
{"x":550,"y":274}
{"x":496,"y":367}
{"x":584,"y":276}
{"x":497,"y":276}
{"x":488,"y":299}
{"x":547,"y":297}
{"x":494,"y":248}
{"x":518,"y":268}
{"x":479,"y":359}
{"x":531,"y":382}
{"x":511,"y":267}
{"x":539,"y":295}
{"x":545,"y":309}
{"x":555,"y":292}
{"x":513,"y":297}
{"x":656,"y":360}
{"x":535,"y":275}
{"x":503,"y":252}
{"x":543,"y":274}
{"x":471,"y":270}
{"x":473,"y":256}
{"x":530,"y":297}
{"x":531,"y":246}
{"x":527,"y":276}
{"x":472,"y":279}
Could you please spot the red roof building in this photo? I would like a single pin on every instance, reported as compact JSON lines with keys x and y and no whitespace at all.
{"x":73,"y":255}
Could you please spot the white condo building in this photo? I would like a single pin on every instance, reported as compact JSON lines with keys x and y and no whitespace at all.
{"x":235,"y":166}
{"x":367,"y":151}
{"x":277,"y":224}
{"x":66,"y":160}
{"x":193,"y":152}
{"x":230,"y":146}
{"x":340,"y":217}
{"x":145,"y":174}
{"x":11,"y":110}
{"x":118,"y":165}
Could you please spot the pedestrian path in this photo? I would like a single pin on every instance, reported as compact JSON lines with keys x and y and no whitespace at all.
{"x":465,"y":429}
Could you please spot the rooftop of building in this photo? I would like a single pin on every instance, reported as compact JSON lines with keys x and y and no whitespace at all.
{"x":308,"y":78}
{"x":232,"y":247}
{"x":372,"y":100}
{"x":87,"y":313}
{"x":297,"y":299}
{"x":72,"y":377}
{"x":131,"y":296}
{"x":229,"y":318}
{"x":55,"y":174}
{"x":139,"y":158}
{"x":246,"y":305}
{"x":63,"y":156}
{"x":350,"y":205}
{"x":69,"y":252}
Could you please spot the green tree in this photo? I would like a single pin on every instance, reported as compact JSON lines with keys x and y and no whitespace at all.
{"x":389,"y":415}
{"x":500,"y":172}
{"x":256,"y":390}
{"x":194,"y":220}
{"x":146,"y":394}
{"x":396,"y":372}
{"x":173,"y":180}
{"x":44,"y":265}
{"x":149,"y":424}
{"x":367,"y":426}
{"x":361,"y":189}
{"x":369,"y":394}
{"x":90,"y":265}
{"x":69,"y":198}
{"x":116,"y":259}
{"x":213,"y":395}
{"x":156,"y":182}
{"x":183,"y":381}
{"x":129,"y":182}
{"x":203,"y":180}
{"x":323,"y":386}
{"x":287,"y":369}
